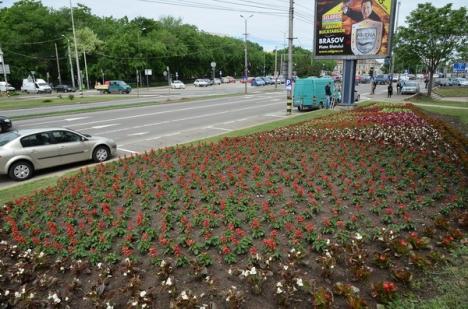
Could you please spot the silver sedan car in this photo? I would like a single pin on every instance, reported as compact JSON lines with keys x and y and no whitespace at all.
{"x":24,"y":151}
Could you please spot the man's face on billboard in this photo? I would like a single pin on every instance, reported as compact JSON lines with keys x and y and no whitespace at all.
{"x":366,"y":9}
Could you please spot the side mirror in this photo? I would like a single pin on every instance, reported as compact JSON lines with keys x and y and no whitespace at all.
{"x":83,"y":139}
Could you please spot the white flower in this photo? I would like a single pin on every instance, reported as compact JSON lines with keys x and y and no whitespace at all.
{"x":285,"y":267}
{"x":142,"y":293}
{"x":54,"y":298}
{"x":279,"y":290}
{"x":7,"y":293}
{"x":299,"y":282}
{"x":135,"y":303}
{"x":169,"y":281}
{"x":253,"y":271}
{"x":99,"y":265}
{"x":279,"y":284}
{"x":41,"y":254}
{"x":109,"y":306}
{"x":18,"y":294}
{"x":163,"y":263}
{"x":230,"y":271}
{"x":31,"y":296}
{"x":358,"y":236}
{"x":184,"y":295}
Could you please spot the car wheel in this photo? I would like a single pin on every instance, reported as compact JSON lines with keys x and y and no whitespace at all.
{"x":101,"y":154}
{"x":21,"y":170}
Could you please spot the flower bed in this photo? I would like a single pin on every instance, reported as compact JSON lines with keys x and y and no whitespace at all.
{"x":340,"y":211}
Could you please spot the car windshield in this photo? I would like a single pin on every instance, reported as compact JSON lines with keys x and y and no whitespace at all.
{"x":121,"y":83}
{"x":7,"y":137}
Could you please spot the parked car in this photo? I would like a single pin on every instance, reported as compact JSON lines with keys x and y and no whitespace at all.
{"x":258,"y":81}
{"x":35,"y":86}
{"x":113,"y":86}
{"x":201,"y":83}
{"x":5,"y":124}
{"x":23,"y":152}
{"x":64,"y":88}
{"x":228,"y":79}
{"x":381,"y":79}
{"x":445,"y":82}
{"x":216,"y":81}
{"x":209,"y":81}
{"x":177,"y":84}
{"x":6,"y":87}
{"x":461,"y":81}
{"x":249,"y":80}
{"x":268,"y":80}
{"x":410,"y":87}
{"x":365,"y":79}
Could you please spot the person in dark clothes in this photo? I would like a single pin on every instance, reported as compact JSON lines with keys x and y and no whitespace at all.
{"x":365,"y":13}
{"x":374,"y":85}
{"x":328,"y":94}
{"x":398,"y":87}
{"x":390,"y":90}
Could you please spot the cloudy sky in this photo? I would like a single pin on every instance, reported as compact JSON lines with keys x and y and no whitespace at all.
{"x":268,"y":26}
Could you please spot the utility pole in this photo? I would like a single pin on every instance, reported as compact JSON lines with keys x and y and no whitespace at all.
{"x":395,"y":31}
{"x":71,"y":62}
{"x":58,"y":64}
{"x":276,"y":67}
{"x":76,"y":51}
{"x":246,"y":69}
{"x":86,"y":69}
{"x":4,"y":68}
{"x":290,"y":60}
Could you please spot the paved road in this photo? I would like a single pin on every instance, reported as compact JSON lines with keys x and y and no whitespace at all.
{"x":141,"y":128}
{"x":158,"y":94}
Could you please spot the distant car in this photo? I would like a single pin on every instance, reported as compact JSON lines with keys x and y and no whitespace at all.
{"x":257,"y":81}
{"x":268,"y":80}
{"x":5,"y":124}
{"x":6,"y":87}
{"x":381,"y":79}
{"x":64,"y":88}
{"x":177,"y":84}
{"x":209,"y":81}
{"x":410,"y":87}
{"x":216,"y":81}
{"x":228,"y":79}
{"x":24,"y":151}
{"x":365,"y":79}
{"x":201,"y":83}
{"x":461,"y":81}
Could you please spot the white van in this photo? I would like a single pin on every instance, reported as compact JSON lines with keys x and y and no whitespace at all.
{"x":38,"y":86}
{"x":6,"y":87}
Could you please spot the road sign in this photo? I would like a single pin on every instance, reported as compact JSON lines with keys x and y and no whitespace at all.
{"x":213,"y":64}
{"x":7,"y":69}
{"x":288,"y":84}
{"x":459,"y":67}
{"x":148,"y":72}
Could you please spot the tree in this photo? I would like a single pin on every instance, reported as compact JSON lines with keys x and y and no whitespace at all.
{"x":433,"y":35}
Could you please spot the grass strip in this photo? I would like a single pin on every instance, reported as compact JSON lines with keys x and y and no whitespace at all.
{"x":452,"y":91}
{"x":444,"y":288}
{"x":120,"y":106}
{"x":9,"y":104}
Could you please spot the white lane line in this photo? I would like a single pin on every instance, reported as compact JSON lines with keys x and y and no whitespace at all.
{"x":160,"y":136}
{"x":126,"y":150}
{"x":105,"y":126}
{"x":186,"y":118}
{"x":75,"y":119}
{"x":277,"y":116}
{"x":137,"y":134}
{"x":218,"y":128}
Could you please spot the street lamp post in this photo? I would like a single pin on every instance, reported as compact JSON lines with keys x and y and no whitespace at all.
{"x":139,"y":54}
{"x":58,"y":64}
{"x":76,"y":50}
{"x":395,"y":31}
{"x":71,"y":62}
{"x":213,"y":67}
{"x":246,"y":69}
{"x":3,"y":67}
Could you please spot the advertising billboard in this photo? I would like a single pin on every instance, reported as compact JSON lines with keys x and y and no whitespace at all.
{"x":353,"y":29}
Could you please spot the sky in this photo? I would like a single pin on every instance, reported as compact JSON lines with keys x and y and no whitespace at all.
{"x":268,"y":26}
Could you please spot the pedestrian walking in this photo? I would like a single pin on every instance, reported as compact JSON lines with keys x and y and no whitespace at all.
{"x":328,"y":94}
{"x":374,"y":85}
{"x":426,"y":81}
{"x":398,"y":87}
{"x":389,"y":90}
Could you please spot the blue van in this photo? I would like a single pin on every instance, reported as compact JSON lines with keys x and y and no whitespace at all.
{"x":309,"y":93}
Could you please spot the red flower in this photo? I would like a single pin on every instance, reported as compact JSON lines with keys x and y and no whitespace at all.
{"x":253,"y":251}
{"x":139,"y":218}
{"x":270,"y":243}
{"x":340,"y":224}
{"x":389,"y":287}
{"x":389,"y":211}
{"x":52,"y":227}
{"x":255,"y":224}
{"x":226,"y":250}
{"x":126,"y":251}
{"x":153,"y":252}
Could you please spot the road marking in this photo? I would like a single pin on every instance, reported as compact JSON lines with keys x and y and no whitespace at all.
{"x":273,"y":115}
{"x":218,"y":128}
{"x":137,"y":134}
{"x":74,"y":119}
{"x":105,"y":126}
{"x":187,"y":118}
{"x":126,"y":150}
{"x":161,"y":136}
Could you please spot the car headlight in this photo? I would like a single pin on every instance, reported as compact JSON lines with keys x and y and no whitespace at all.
{"x":7,"y":120}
